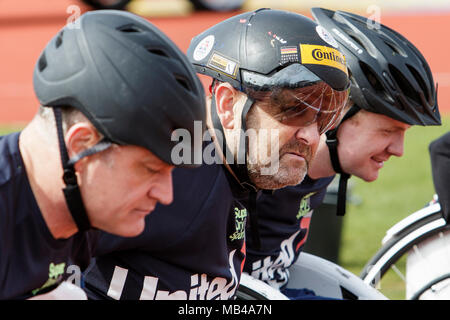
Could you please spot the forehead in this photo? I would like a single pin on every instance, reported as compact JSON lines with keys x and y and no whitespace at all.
{"x":380,"y":121}
{"x":141,"y":155}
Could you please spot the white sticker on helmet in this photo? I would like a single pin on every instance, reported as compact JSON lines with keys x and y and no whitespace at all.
{"x":326,"y":36}
{"x":203,"y":48}
{"x":347,"y":40}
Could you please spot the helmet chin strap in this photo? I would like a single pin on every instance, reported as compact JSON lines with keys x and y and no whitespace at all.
{"x":239,"y":165}
{"x":72,"y":192}
{"x":332,"y":143}
{"x":239,"y":168}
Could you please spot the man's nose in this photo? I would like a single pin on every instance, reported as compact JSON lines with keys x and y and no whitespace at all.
{"x":396,"y":148}
{"x":162,"y":189}
{"x":308,"y":135}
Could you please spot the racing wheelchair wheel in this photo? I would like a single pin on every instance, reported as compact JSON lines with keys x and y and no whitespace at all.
{"x":423,"y":238}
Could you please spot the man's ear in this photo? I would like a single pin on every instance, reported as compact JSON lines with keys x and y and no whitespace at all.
{"x":226,"y":96}
{"x":79,"y":137}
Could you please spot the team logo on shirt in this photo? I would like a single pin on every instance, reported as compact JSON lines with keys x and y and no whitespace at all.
{"x":55,"y":274}
{"x":305,"y":206}
{"x":240,"y":217}
{"x":203,"y":287}
{"x":275,"y":272}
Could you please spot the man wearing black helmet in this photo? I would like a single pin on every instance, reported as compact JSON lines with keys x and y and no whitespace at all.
{"x":99,"y":132}
{"x":265,"y":80}
{"x":391,"y":89}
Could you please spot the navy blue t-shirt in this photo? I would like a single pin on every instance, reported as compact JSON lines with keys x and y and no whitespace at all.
{"x":31,"y":260}
{"x":191,"y":249}
{"x":283,"y":220}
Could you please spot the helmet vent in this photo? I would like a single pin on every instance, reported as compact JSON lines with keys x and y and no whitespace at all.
{"x":375,"y":82}
{"x":394,"y":48}
{"x":371,"y":77}
{"x":404,"y":84}
{"x":129,"y":28}
{"x":158,"y":52}
{"x":42,"y":63}
{"x":362,"y":44}
{"x":59,"y":40}
{"x":421,"y":82}
{"x":183,"y":82}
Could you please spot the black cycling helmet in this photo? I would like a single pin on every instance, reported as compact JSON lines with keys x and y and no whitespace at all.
{"x":388,"y":76}
{"x":128,"y":78}
{"x":388,"y":73}
{"x":263,"y":43}
{"x":267,"y":49}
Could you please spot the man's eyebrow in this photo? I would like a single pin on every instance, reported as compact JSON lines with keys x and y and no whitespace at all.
{"x":153,"y":161}
{"x":150,"y":160}
{"x":396,"y":127}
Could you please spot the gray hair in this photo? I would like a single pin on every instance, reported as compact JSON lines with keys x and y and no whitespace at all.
{"x":70,"y":116}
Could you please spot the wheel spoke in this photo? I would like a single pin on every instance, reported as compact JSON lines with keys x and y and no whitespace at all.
{"x":398,"y":272}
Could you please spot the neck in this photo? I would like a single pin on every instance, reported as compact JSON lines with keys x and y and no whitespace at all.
{"x":321,"y":166}
{"x":44,"y":171}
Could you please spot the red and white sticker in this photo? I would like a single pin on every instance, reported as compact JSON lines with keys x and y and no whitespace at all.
{"x":326,"y":36}
{"x":203,"y":48}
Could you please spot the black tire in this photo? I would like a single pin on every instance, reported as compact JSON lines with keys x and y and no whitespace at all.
{"x":401,"y":243}
{"x":222,"y":6}
{"x":107,"y":4}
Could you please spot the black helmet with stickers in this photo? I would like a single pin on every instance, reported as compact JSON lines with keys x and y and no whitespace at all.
{"x":265,"y":42}
{"x":268,"y":49}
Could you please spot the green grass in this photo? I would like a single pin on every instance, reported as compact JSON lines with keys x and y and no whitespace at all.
{"x":404,"y":186}
{"x":5,"y":129}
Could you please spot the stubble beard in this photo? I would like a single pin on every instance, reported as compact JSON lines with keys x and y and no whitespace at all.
{"x":288,"y":173}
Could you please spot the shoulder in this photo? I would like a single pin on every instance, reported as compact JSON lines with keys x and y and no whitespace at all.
{"x":440,"y":145}
{"x":307,"y":186}
{"x":10,"y":159}
{"x":201,"y":175}
{"x":14,"y":186}
{"x":315,"y":184}
{"x":200,"y":184}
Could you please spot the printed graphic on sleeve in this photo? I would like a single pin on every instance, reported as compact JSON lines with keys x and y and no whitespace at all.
{"x":275,"y":272}
{"x":240,"y":218}
{"x":305,"y":206}
{"x":55,"y":275}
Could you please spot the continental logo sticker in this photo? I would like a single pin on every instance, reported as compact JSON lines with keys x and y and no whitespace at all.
{"x":223,"y":64}
{"x":315,"y":54}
